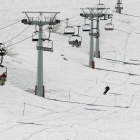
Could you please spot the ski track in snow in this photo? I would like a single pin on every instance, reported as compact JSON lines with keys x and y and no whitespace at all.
{"x":87,"y":114}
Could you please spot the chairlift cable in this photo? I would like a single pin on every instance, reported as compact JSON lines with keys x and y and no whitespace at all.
{"x":107,"y":2}
{"x":10,"y":25}
{"x":19,"y":41}
{"x":17,"y":35}
{"x":22,"y":40}
{"x":129,"y":15}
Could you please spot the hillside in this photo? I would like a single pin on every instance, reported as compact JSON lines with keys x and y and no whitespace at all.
{"x":87,"y":114}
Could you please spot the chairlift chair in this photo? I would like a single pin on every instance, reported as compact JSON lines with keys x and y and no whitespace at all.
{"x":69,"y":30}
{"x":95,"y":33}
{"x":100,"y":6}
{"x":47,"y":43}
{"x":75,"y":40}
{"x":109,"y":26}
{"x":35,"y":36}
{"x":86,"y":27}
{"x":3,"y":78}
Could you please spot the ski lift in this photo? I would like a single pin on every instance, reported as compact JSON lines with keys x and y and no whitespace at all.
{"x":47,"y":43}
{"x":119,"y":6}
{"x":109,"y":26}
{"x":69,"y":30}
{"x":75,"y":40}
{"x":3,"y":76}
{"x":100,"y":6}
{"x":86,"y":27}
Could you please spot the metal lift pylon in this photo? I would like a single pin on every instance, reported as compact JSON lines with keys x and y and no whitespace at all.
{"x":93,"y":14}
{"x":39,"y":88}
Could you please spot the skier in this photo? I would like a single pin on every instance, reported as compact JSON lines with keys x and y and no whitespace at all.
{"x":3,"y":80}
{"x":107,"y":88}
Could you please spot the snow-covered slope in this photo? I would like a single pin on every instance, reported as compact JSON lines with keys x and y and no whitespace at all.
{"x":74,"y":107}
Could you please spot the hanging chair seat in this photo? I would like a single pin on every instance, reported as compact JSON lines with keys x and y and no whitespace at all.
{"x":44,"y":49}
{"x":2,"y":79}
{"x":75,"y":43}
{"x":101,"y":6}
{"x":94,"y":34}
{"x":109,"y":27}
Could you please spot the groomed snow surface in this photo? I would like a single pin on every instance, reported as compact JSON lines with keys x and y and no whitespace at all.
{"x":74,"y":107}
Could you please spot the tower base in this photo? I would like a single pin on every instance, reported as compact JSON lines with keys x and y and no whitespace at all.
{"x":43,"y":90}
{"x":93,"y":64}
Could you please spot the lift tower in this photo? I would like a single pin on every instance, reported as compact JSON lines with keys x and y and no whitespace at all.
{"x":119,"y":6}
{"x":40,"y":21}
{"x":92,"y":13}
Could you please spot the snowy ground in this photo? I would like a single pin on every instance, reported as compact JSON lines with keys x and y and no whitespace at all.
{"x":87,"y":114}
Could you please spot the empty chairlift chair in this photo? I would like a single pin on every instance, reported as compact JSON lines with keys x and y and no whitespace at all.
{"x":69,"y":30}
{"x":47,"y":43}
{"x":75,"y":40}
{"x":35,"y":35}
{"x":109,"y":26}
{"x":2,"y":52}
{"x":86,"y":27}
{"x":100,"y":6}
{"x":95,"y":33}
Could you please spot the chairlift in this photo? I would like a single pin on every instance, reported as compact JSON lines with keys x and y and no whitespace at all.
{"x":75,"y":40}
{"x":109,"y":26}
{"x":100,"y":6}
{"x":68,"y":30}
{"x":86,"y":27}
{"x":3,"y":76}
{"x":47,"y":43}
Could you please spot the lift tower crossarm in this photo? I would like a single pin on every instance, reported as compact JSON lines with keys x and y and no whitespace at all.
{"x":42,"y":23}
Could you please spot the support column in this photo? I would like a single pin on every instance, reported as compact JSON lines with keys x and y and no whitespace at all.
{"x":97,"y":52}
{"x":39,"y":82}
{"x":118,"y":5}
{"x":91,"y":51}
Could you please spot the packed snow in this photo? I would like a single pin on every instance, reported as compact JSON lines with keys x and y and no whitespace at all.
{"x":74,"y":107}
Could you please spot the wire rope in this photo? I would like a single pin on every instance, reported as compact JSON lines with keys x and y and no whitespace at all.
{"x":17,"y":35}
{"x":10,"y":25}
